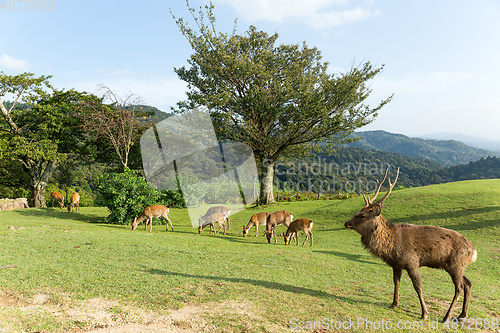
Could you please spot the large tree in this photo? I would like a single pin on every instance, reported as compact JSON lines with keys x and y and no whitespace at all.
{"x":42,"y":132}
{"x":279,"y":99}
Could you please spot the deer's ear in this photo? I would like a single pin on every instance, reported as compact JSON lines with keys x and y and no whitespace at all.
{"x":377,"y":209}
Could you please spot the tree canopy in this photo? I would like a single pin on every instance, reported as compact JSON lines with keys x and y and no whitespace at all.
{"x":42,"y":132}
{"x":279,"y":99}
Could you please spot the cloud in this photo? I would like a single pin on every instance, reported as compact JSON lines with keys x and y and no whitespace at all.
{"x":9,"y":62}
{"x":317,"y":13}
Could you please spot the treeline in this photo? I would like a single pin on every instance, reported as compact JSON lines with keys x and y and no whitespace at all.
{"x":358,"y":169}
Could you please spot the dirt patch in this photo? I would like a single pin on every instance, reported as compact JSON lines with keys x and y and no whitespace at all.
{"x":107,"y":316}
{"x":7,"y":299}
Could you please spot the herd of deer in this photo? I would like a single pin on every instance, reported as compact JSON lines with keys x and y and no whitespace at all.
{"x":401,"y":246}
{"x":74,"y":201}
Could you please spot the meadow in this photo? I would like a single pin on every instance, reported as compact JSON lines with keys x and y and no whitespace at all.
{"x":69,"y":272}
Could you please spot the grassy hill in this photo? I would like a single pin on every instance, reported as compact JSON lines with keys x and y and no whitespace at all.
{"x":446,"y":153}
{"x":64,"y":272}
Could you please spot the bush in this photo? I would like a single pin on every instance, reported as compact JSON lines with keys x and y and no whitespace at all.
{"x":126,"y":195}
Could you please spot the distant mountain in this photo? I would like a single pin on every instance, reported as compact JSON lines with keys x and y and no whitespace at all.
{"x":473,"y":141}
{"x":446,"y":153}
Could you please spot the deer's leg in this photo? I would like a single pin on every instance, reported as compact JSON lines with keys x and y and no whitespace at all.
{"x":416,"y":279}
{"x":305,"y":240}
{"x":257,"y":230}
{"x":458,"y":281}
{"x":165,"y":216}
{"x":170,"y":222}
{"x":396,"y":275}
{"x":467,"y":288}
{"x":311,"y":234}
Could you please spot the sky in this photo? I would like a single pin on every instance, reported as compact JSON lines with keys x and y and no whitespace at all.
{"x":440,"y":58}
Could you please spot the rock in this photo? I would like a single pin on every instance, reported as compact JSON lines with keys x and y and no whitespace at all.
{"x":10,"y":204}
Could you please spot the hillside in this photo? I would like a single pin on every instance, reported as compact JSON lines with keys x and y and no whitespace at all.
{"x":446,"y":153}
{"x":73,"y":273}
{"x":359,"y":168}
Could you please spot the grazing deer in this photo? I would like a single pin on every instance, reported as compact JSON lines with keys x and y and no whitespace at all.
{"x":305,"y":225}
{"x":256,"y":220}
{"x":212,"y":210}
{"x":220,"y":219}
{"x":408,"y":247}
{"x":74,"y":201}
{"x":59,"y":197}
{"x":151,"y":212}
{"x":274,"y":219}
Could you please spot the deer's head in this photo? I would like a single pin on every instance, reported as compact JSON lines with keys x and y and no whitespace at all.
{"x":369,"y":216}
{"x":134,"y":224}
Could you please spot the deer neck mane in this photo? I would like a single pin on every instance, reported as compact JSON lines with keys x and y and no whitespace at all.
{"x":380,"y":239}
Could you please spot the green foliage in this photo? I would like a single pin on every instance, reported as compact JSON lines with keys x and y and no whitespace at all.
{"x":126,"y":195}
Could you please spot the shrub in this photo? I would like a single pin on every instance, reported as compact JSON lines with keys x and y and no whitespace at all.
{"x":125,"y":195}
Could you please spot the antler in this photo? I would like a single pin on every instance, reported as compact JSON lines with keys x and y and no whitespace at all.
{"x":369,"y":201}
{"x":391,"y":186}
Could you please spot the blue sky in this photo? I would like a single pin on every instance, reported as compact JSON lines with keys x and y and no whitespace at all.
{"x":441,"y":57}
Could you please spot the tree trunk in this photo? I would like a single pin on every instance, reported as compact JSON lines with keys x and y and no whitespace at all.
{"x":39,"y":173}
{"x":266,"y":181}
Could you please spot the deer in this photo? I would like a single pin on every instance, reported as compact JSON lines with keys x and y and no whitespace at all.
{"x":216,"y":209}
{"x":59,"y":197}
{"x":294,"y":228}
{"x":212,"y":219}
{"x":409,"y":246}
{"x":151,"y":212}
{"x":256,"y":220}
{"x":74,"y":201}
{"x":274,"y":219}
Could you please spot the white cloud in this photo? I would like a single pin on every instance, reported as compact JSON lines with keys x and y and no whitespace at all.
{"x":11,"y":63}
{"x":317,"y":13}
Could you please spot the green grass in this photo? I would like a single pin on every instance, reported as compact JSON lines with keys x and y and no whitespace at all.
{"x":76,"y":257}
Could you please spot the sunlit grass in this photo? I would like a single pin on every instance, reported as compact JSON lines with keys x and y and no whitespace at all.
{"x":78,"y":256}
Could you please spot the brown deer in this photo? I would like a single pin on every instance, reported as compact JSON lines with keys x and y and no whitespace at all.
{"x":74,"y":201}
{"x":274,"y":219}
{"x":408,"y":247}
{"x":59,"y":197}
{"x":256,"y":220}
{"x":212,"y":219}
{"x":151,"y":212}
{"x":212,"y":210}
{"x":305,"y":225}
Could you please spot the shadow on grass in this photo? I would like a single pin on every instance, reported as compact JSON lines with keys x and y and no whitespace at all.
{"x":258,"y":283}
{"x":463,"y":212}
{"x":62,"y":214}
{"x":352,"y":257}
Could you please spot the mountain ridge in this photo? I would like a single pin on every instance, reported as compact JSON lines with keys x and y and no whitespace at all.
{"x":445,"y":152}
